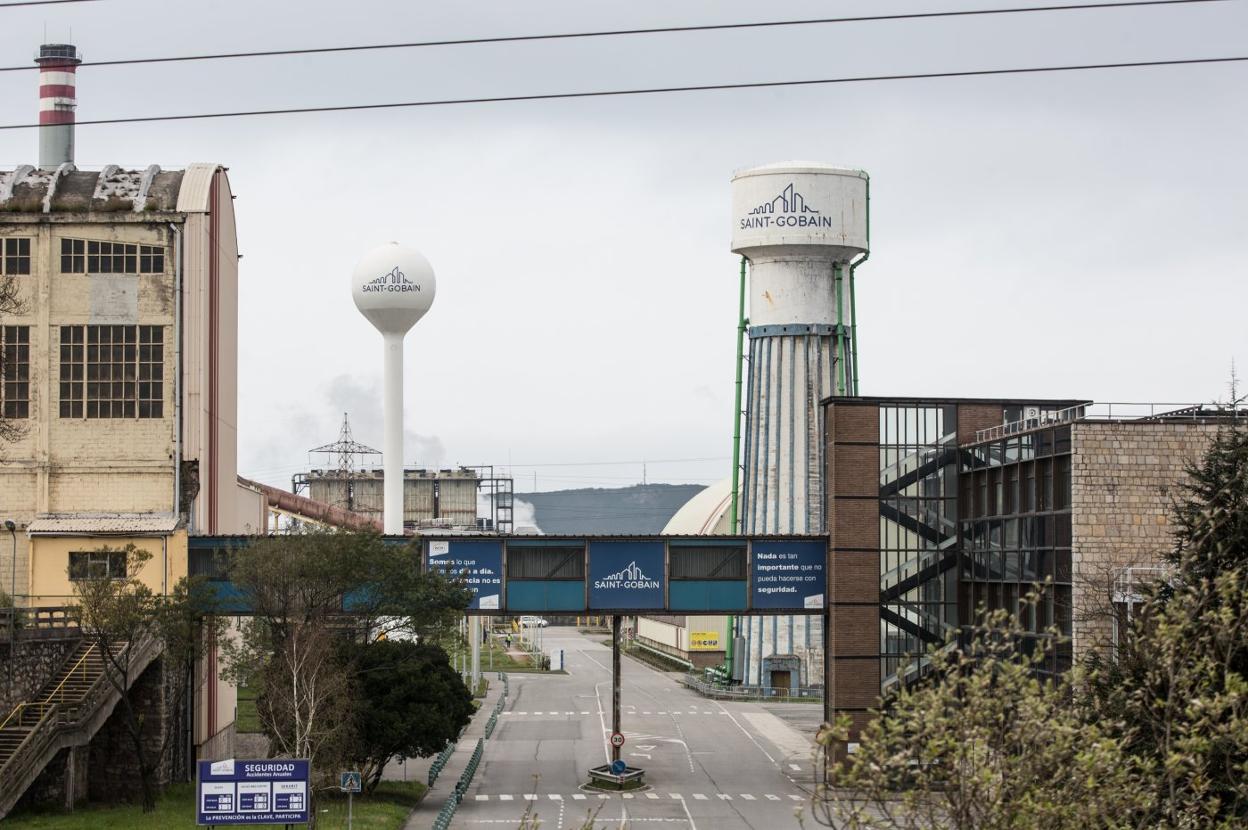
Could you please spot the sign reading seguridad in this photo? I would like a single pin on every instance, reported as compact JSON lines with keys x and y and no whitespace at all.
{"x":788,"y":573}
{"x":271,"y":791}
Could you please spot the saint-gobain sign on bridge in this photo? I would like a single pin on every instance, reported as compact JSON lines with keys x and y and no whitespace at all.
{"x":604,"y":574}
{"x":252,"y":792}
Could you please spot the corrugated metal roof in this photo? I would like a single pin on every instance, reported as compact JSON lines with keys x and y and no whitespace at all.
{"x":111,"y":524}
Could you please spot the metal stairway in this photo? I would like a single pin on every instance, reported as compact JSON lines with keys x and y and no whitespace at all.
{"x":67,"y":712}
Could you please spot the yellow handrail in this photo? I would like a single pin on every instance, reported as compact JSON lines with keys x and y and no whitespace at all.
{"x":41,"y":706}
{"x":70,"y":674}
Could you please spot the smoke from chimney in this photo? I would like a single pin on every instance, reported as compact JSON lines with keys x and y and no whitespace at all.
{"x":58,"y":66}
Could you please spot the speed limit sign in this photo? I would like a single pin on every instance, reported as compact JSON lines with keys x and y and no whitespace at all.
{"x":617,"y":740}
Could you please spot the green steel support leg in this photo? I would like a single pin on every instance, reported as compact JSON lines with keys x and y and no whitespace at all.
{"x":742,"y":322}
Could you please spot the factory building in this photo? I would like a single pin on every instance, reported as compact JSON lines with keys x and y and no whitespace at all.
{"x":430,"y":497}
{"x":938,"y":508}
{"x":119,"y":393}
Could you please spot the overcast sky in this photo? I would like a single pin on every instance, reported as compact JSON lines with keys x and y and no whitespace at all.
{"x":1063,"y":235}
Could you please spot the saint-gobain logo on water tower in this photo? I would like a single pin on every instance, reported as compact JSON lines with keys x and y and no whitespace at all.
{"x":394,"y":280}
{"x":789,"y":209}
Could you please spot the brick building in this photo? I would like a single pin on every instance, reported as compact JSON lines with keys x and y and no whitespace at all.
{"x":940,"y":507}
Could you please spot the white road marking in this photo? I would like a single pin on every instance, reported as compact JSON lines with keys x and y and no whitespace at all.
{"x":584,"y":713}
{"x":748,"y":797}
{"x":530,"y":796}
{"x":676,"y":796}
{"x":699,"y":797}
{"x":724,"y":796}
{"x":578,"y":796}
{"x":796,"y":797}
{"x":771,"y":797}
{"x":652,"y":796}
{"x":795,"y":767}
{"x":688,"y":815}
{"x":483,"y":798}
{"x":504,"y":798}
{"x":555,"y":797}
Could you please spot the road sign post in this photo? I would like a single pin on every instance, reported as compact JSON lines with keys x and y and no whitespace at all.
{"x":615,"y":688}
{"x":351,"y":783}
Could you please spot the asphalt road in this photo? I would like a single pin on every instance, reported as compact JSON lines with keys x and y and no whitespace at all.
{"x":709,"y":765}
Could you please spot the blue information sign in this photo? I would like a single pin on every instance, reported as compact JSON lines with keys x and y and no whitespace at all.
{"x":252,"y":792}
{"x":788,"y":574}
{"x":480,"y":561}
{"x":626,"y":574}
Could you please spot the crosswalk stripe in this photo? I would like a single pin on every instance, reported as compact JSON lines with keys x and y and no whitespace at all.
{"x":676,"y":796}
{"x":771,"y":797}
{"x":699,"y":797}
{"x":652,"y":795}
{"x":578,"y":796}
{"x":584,"y":713}
{"x":603,"y":795}
{"x":504,"y":798}
{"x":724,"y":796}
{"x":483,"y":798}
{"x":796,"y":797}
{"x":748,"y":797}
{"x":530,"y":796}
{"x":556,"y":797}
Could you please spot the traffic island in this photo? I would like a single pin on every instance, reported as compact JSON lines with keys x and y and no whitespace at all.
{"x":606,"y":778}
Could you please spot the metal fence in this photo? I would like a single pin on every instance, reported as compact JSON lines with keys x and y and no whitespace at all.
{"x":778,"y":694}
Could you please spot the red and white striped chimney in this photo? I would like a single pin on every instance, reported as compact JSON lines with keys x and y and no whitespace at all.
{"x":58,"y":65}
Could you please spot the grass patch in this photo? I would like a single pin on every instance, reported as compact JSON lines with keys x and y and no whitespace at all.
{"x":385,"y":809}
{"x":246,"y":719}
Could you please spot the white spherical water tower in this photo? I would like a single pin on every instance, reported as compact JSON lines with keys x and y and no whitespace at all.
{"x":803,"y":227}
{"x":393,"y":286}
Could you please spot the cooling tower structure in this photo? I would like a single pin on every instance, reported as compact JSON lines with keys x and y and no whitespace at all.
{"x":803,"y":227}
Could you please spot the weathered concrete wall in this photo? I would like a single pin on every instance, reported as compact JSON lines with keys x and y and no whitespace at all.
{"x":1124,"y":479}
{"x":114,"y":765}
{"x":32,"y":664}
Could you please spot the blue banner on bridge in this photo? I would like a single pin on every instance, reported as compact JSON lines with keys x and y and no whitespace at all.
{"x":788,"y":574}
{"x":480,"y":561}
{"x":252,"y":792}
{"x":626,"y":574}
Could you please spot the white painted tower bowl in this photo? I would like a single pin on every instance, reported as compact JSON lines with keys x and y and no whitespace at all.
{"x":393,"y":287}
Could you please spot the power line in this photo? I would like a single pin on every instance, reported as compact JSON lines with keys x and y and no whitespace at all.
{"x":41,"y":3}
{"x":711,"y":27}
{"x":607,"y":93}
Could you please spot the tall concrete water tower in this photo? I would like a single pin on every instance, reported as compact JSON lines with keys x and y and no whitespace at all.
{"x":803,"y":227}
{"x":393,"y":287}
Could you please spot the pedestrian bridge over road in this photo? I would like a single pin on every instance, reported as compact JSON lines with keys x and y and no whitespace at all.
{"x":605,"y":574}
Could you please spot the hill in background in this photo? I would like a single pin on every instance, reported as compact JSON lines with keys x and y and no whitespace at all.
{"x":642,"y":508}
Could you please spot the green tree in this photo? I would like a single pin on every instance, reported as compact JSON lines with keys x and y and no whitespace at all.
{"x":984,"y":741}
{"x":1179,"y":679}
{"x":121,"y":617}
{"x":410,"y":702}
{"x":316,"y":599}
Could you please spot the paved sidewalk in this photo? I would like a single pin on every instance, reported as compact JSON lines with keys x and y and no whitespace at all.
{"x":427,"y":810}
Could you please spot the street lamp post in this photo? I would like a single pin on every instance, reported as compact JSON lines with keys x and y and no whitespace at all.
{"x":10,"y":526}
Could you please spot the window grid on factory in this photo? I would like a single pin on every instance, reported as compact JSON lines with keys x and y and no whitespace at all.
{"x":97,"y":564}
{"x":112,"y":371}
{"x":15,"y":256}
{"x":15,"y":369}
{"x":81,"y":256}
{"x":1016,"y":534}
